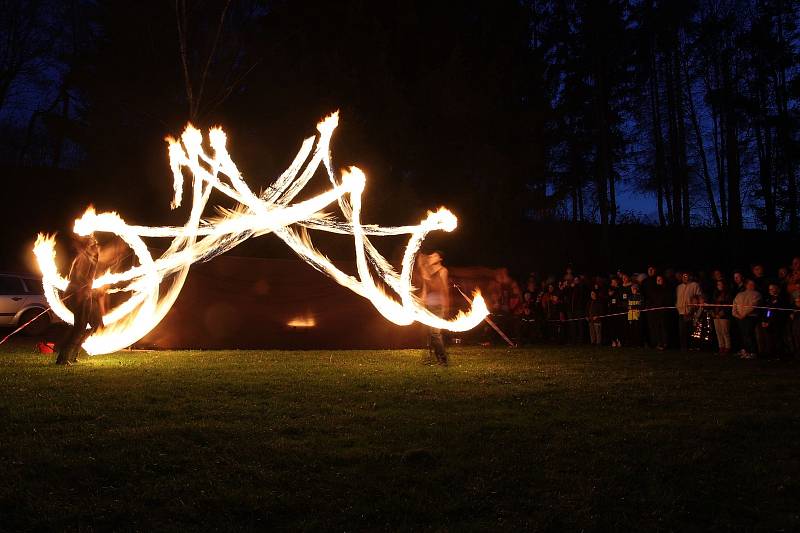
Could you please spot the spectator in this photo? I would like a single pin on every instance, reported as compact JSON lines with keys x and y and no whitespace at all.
{"x":647,"y":287}
{"x":762,"y":284}
{"x":738,"y":282}
{"x":504,"y":290}
{"x":540,"y":312}
{"x":686,"y":295}
{"x":547,"y":298}
{"x":537,"y":312}
{"x":514,"y":317}
{"x":670,"y":278}
{"x":660,"y":298}
{"x":576,"y":307}
{"x":526,"y":332}
{"x":722,"y":324}
{"x":783,"y":278}
{"x":706,"y":284}
{"x":625,"y":290}
{"x":769,"y":333}
{"x":747,"y":317}
{"x":531,"y":281}
{"x":634,"y":336}
{"x":505,"y":297}
{"x":615,"y":323}
{"x":649,"y":282}
{"x":530,"y":290}
{"x":711,"y":289}
{"x":568,"y":275}
{"x":793,"y":281}
{"x":594,"y":310}
{"x":555,"y":319}
{"x":794,"y":327}
{"x":702,"y":334}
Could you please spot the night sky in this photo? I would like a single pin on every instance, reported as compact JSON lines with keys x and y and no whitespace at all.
{"x":515,"y":112}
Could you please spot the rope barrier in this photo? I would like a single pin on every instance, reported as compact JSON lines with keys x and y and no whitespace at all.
{"x":625,"y":313}
{"x":746,"y":307}
{"x":29,"y":322}
{"x":23,"y":326}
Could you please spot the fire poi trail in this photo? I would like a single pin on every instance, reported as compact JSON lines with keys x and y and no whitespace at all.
{"x":154,"y":284}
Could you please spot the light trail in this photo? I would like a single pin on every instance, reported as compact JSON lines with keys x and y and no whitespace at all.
{"x":154,"y":284}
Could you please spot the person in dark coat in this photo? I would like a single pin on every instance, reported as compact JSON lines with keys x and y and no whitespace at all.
{"x":769,"y":333}
{"x":80,"y":298}
{"x":761,"y":281}
{"x":595,"y":308}
{"x":647,"y":286}
{"x":649,"y":283}
{"x":660,"y":296}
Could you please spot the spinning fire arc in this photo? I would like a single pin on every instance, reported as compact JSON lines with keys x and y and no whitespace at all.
{"x":153,"y":284}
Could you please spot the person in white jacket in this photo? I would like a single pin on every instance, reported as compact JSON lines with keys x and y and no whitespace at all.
{"x":686,"y":294}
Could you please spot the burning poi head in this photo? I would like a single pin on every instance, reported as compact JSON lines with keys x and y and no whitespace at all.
{"x":154,"y":283}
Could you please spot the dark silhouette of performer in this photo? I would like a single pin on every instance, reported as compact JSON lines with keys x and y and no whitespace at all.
{"x":436,"y":297}
{"x":84,"y":302}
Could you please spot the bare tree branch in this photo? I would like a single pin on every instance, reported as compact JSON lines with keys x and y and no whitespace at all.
{"x":212,"y":53}
{"x":180,"y":16}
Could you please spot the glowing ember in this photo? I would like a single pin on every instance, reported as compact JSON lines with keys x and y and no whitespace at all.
{"x":153,"y":285}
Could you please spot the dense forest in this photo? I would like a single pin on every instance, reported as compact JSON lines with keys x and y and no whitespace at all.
{"x":508,"y":111}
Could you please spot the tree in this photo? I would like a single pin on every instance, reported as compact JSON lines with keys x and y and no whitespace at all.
{"x":591,"y":103}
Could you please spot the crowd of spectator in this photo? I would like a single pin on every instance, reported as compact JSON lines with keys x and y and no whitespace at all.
{"x":746,"y":313}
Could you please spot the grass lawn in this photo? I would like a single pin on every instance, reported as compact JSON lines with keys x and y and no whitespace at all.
{"x":547,"y":438}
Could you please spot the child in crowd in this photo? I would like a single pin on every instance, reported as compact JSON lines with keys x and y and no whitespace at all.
{"x":634,"y":336}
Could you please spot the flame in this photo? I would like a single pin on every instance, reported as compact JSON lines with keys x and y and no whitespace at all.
{"x":154,"y":284}
{"x":302,"y":322}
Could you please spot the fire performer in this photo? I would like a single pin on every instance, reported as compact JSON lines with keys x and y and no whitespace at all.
{"x":84,"y":302}
{"x":436,"y":297}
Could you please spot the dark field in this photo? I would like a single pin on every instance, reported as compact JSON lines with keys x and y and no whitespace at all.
{"x":536,"y":439}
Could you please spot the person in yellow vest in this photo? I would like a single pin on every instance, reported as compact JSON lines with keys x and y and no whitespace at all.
{"x":634,"y":336}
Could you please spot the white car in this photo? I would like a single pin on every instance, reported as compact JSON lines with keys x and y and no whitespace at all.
{"x":21,"y":299}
